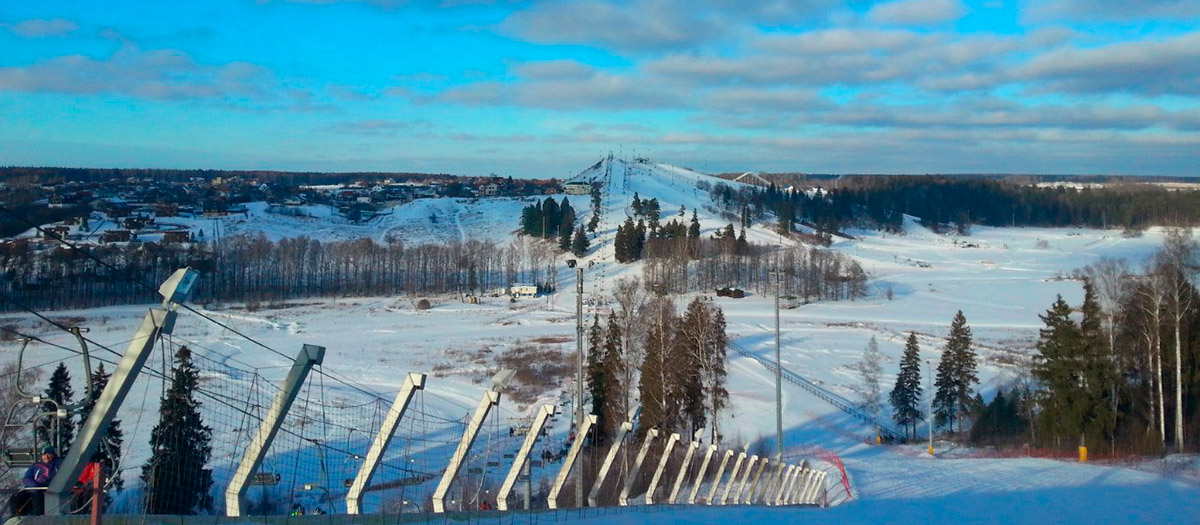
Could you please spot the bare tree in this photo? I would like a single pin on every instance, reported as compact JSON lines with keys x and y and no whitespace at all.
{"x":1111,"y":278}
{"x":703,"y":340}
{"x":871,"y":368}
{"x":631,"y":297}
{"x":1178,"y":262}
{"x":1153,"y":292}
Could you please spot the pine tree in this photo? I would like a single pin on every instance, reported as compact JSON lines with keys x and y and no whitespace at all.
{"x":694,"y":227}
{"x":579,"y":245}
{"x":175,"y":479}
{"x":871,"y":368}
{"x":595,"y":373}
{"x":114,"y":438}
{"x":956,"y":375}
{"x":906,"y":394}
{"x":59,"y":390}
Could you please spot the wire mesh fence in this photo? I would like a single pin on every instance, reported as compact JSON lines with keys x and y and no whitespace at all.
{"x":194,"y":410}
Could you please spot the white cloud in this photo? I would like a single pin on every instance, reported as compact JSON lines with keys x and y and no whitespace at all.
{"x":1119,"y":10}
{"x":1170,"y":66}
{"x":916,"y":12}
{"x":162,"y":74}
{"x":39,"y":28}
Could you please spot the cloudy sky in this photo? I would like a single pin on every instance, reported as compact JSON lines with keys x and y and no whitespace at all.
{"x":544,"y":88}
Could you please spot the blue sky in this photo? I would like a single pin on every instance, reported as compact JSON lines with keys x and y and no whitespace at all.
{"x":544,"y":88}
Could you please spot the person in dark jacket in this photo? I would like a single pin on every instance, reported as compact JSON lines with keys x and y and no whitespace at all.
{"x":31,"y":500}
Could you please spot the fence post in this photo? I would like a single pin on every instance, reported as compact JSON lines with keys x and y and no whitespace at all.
{"x":569,"y":462}
{"x":490,"y":398}
{"x":737,"y":465}
{"x":412,"y":383}
{"x":623,"y":499}
{"x":687,"y":462}
{"x":716,"y":484}
{"x":737,"y":495}
{"x":618,"y":440}
{"x":662,"y":464}
{"x":309,"y":355}
{"x":523,"y":455}
{"x":700,"y":475}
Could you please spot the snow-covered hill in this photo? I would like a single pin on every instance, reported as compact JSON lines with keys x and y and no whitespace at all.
{"x":1000,"y":278}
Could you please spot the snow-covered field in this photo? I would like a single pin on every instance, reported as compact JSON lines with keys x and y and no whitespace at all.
{"x":1001,"y":278}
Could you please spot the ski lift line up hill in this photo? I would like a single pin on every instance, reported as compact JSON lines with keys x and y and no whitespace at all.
{"x":823,"y":394}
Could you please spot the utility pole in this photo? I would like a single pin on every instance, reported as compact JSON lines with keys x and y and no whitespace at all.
{"x":578,"y":371}
{"x":778,"y":371}
{"x":929,"y":389}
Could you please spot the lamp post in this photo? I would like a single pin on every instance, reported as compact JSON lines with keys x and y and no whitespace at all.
{"x":572,"y":263}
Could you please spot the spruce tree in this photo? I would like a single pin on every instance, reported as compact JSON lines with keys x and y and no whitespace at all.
{"x":694,"y":227}
{"x":579,"y":245}
{"x":956,"y":375}
{"x":60,"y":391}
{"x":531,"y":220}
{"x":175,"y":478}
{"x":614,"y":410}
{"x":1098,"y":368}
{"x":906,"y":394}
{"x":566,"y":225}
{"x":1074,"y":370}
{"x":621,"y":242}
{"x":564,"y":240}
{"x":597,"y":203}
{"x":595,"y":373}
{"x":114,"y":438}
{"x":639,"y":241}
{"x":550,"y":218}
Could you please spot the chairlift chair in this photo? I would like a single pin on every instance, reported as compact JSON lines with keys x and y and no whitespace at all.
{"x":264,"y":479}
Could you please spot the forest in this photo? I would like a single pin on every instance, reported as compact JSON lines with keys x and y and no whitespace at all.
{"x":958,"y":203}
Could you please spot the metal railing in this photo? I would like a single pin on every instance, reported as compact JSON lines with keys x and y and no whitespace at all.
{"x":824,"y":394}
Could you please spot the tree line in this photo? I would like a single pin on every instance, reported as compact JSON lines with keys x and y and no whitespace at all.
{"x":1119,"y":372}
{"x":254,"y":268}
{"x":943,"y":202}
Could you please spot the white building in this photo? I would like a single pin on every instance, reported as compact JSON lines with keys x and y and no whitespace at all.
{"x":523,"y":290}
{"x":577,"y":188}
